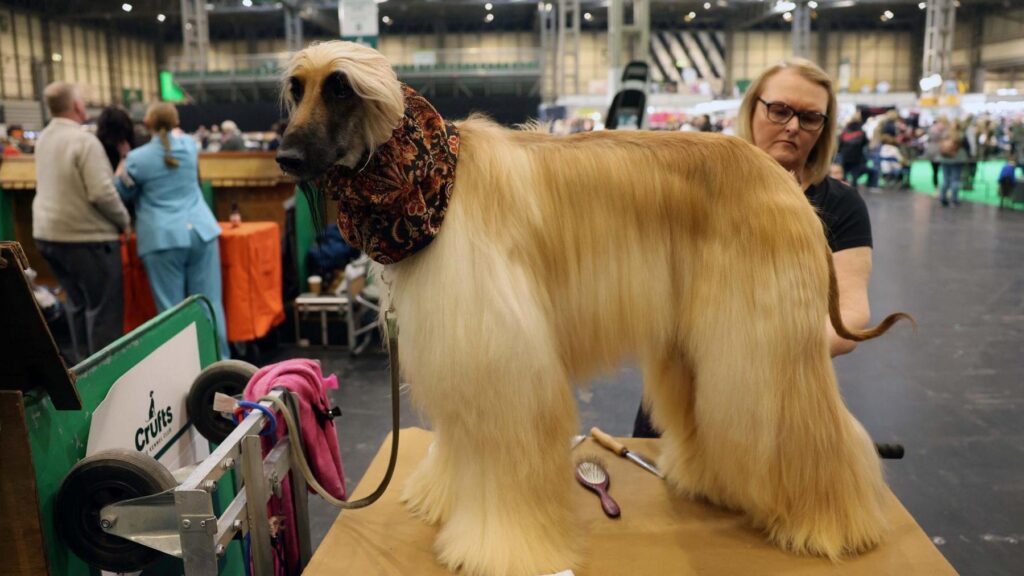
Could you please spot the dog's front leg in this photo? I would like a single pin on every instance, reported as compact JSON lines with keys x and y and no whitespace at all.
{"x":499,"y":475}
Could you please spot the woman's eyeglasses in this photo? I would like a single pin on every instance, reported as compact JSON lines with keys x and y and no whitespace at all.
{"x":781,"y":113}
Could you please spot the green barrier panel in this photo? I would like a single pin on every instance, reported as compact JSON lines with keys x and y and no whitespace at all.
{"x":59,"y":439}
{"x":207,"y":188}
{"x":985,"y":188}
{"x":6,"y":216}
{"x":305,"y":235}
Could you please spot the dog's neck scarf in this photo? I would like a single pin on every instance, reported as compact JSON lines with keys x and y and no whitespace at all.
{"x":393,"y":207}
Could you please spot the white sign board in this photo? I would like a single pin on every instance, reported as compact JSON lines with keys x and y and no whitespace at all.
{"x":358,"y":18}
{"x":145,"y":408}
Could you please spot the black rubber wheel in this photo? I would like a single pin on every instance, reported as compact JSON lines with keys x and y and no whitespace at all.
{"x":227,"y":377}
{"x":105,"y":478}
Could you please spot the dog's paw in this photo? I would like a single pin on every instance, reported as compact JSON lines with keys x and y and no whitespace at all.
{"x":505,"y":548}
{"x":428,"y":493}
{"x":831,"y":532}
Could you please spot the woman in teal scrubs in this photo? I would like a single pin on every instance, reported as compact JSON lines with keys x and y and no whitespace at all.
{"x":177,"y":233}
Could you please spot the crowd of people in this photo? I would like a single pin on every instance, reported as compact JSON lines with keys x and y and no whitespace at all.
{"x":82,"y":208}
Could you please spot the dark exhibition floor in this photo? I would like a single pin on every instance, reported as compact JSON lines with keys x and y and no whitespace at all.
{"x":952,"y":394}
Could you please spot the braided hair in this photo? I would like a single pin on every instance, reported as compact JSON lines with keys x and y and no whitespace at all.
{"x":162,"y":117}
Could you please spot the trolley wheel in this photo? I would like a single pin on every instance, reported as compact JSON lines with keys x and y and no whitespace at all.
{"x":99,"y":480}
{"x":227,"y":377}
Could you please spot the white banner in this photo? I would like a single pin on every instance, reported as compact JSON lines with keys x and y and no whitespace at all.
{"x":145,"y":408}
{"x":358,"y":18}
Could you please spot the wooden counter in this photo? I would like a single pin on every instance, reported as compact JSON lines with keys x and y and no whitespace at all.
{"x":250,"y":179}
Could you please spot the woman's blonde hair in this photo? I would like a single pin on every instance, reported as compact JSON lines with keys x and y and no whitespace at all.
{"x":820,"y":158}
{"x":161,"y":118}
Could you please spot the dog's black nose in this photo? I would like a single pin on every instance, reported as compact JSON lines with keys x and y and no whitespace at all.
{"x":290,"y":161}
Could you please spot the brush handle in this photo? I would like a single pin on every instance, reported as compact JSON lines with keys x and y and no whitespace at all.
{"x":608,"y":442}
{"x":608,"y":504}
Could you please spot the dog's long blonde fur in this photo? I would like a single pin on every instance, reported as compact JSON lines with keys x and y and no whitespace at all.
{"x":696,"y":255}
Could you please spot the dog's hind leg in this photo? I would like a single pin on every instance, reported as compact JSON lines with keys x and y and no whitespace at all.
{"x":669,"y":397}
{"x":776,"y":440}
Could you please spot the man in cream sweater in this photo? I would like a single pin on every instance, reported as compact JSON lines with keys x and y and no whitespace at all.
{"x":77,"y":216}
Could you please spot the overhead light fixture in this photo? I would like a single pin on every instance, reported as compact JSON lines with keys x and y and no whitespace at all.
{"x":126,"y":7}
{"x":56,"y":57}
{"x":489,"y":17}
{"x":588,"y":16}
{"x":547,"y":7}
{"x":247,"y":3}
{"x":888,"y":14}
{"x":785,"y":6}
{"x":488,"y":6}
{"x":812,"y":5}
{"x":386,"y":20}
{"x":922,"y":5}
{"x":689,"y":17}
{"x":160,"y":17}
{"x":787,"y":16}
{"x":707,"y":5}
{"x":843,"y":4}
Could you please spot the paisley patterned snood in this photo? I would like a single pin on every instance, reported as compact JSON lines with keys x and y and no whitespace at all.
{"x":393,"y":207}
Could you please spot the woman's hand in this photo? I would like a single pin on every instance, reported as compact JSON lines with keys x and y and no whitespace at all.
{"x":120,"y":168}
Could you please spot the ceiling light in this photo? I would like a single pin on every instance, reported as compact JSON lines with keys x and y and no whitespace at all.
{"x":888,"y":14}
{"x":56,"y":57}
{"x":386,"y":20}
{"x":588,"y":16}
{"x":126,"y":7}
{"x":785,"y":6}
{"x":812,"y":4}
{"x":787,"y":16}
{"x":247,"y":3}
{"x":160,"y":17}
{"x":707,"y":5}
{"x":922,"y":5}
{"x":488,"y":6}
{"x":489,"y":17}
{"x":547,"y":7}
{"x":689,"y":17}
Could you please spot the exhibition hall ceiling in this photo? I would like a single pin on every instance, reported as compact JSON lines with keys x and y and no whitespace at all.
{"x":243,"y":19}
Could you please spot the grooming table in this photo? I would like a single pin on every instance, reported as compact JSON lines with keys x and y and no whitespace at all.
{"x":657,"y":534}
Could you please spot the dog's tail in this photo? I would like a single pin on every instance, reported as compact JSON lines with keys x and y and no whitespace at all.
{"x":837,"y":319}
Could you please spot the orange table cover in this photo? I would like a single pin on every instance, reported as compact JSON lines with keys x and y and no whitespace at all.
{"x":250,"y":259}
{"x":138,"y":298}
{"x":657,"y":533}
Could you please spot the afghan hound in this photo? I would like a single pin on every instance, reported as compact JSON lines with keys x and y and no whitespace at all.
{"x":522,"y":262}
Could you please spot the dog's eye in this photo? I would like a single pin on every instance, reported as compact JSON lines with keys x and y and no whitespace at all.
{"x":295,"y":87}
{"x":337,"y":87}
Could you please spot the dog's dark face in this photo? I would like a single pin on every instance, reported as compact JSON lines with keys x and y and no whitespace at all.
{"x":326,"y":124}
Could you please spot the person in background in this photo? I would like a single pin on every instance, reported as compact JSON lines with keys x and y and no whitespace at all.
{"x":937,"y":132}
{"x":953,"y":156}
{"x":176,"y":229}
{"x":836,"y":172}
{"x":1007,"y":182}
{"x":16,"y":136}
{"x":789,"y":112}
{"x":116,"y":132}
{"x":852,"y":143}
{"x":77,"y":217}
{"x":231,"y":139}
{"x":278,"y":128}
{"x":202,"y":137}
